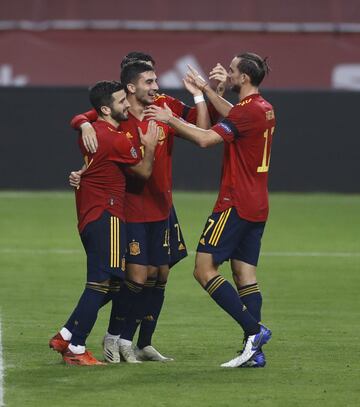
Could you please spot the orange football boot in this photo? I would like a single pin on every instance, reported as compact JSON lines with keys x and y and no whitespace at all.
{"x":58,"y":343}
{"x":83,"y":359}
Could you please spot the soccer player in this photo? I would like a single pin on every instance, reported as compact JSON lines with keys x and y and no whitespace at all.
{"x":234,"y":230}
{"x":100,"y":209}
{"x":147,"y":214}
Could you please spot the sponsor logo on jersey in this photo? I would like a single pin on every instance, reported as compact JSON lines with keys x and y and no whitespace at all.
{"x":134,"y":248}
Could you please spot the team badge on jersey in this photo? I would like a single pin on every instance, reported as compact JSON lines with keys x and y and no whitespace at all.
{"x":134,"y":248}
{"x":161,"y":134}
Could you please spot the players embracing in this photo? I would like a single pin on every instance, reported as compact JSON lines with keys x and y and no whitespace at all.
{"x":232,"y":232}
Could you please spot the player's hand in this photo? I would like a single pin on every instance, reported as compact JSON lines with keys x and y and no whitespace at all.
{"x":89,"y":139}
{"x":195,"y":78}
{"x":219,"y":73}
{"x":151,"y":137}
{"x":75,"y":178}
{"x":157,"y":113}
{"x":191,"y":87}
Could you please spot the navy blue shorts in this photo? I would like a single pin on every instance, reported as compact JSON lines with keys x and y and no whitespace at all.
{"x":148,"y":243}
{"x":104,"y":241}
{"x":227,"y":236}
{"x":177,"y":243}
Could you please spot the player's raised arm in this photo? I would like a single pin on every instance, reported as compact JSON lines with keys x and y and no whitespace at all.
{"x":220,"y":104}
{"x":149,"y":140}
{"x":202,"y":114}
{"x":201,"y":137}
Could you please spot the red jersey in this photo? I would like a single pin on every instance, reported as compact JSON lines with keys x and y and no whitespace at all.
{"x":102,"y":185}
{"x":150,"y":200}
{"x":179,"y":108}
{"x":247,"y":132}
{"x":146,"y":200}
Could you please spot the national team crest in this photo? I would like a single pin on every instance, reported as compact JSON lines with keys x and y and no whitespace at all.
{"x":134,"y":248}
{"x":161,"y":134}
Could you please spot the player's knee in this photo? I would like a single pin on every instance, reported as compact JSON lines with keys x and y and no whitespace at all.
{"x":163,"y":273}
{"x":200,"y":274}
{"x":196,"y":273}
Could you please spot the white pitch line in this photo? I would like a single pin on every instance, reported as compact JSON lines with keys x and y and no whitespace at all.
{"x":1,"y":372}
{"x":9,"y":250}
{"x":303,"y":254}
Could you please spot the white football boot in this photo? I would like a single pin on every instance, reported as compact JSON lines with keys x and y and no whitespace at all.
{"x":111,"y":348}
{"x":149,"y":353}
{"x":127,"y":352}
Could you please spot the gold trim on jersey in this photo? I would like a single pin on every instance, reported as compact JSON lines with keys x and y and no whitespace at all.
{"x":244,"y":102}
{"x":114,"y":242}
{"x":219,"y":228}
{"x":159,"y":96}
{"x":115,"y":131}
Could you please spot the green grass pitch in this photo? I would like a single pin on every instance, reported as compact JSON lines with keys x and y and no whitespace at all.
{"x":309,"y":273}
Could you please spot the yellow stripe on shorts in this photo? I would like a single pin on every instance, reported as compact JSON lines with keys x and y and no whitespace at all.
{"x":114,"y":242}
{"x":219,"y":228}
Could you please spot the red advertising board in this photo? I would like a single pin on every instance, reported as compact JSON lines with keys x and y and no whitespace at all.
{"x":82,"y":57}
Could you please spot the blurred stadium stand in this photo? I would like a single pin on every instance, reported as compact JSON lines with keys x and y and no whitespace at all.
{"x":311,"y":44}
{"x":51,"y":51}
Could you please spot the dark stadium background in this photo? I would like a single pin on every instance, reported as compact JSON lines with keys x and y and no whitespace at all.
{"x":50,"y":52}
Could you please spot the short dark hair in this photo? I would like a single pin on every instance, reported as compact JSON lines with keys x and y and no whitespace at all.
{"x":132,"y":70}
{"x":136,"y":56}
{"x":253,"y":65}
{"x":101,"y":94}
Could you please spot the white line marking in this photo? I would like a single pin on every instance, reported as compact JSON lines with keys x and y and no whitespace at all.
{"x":1,"y":372}
{"x":303,"y":254}
{"x":9,"y":250}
